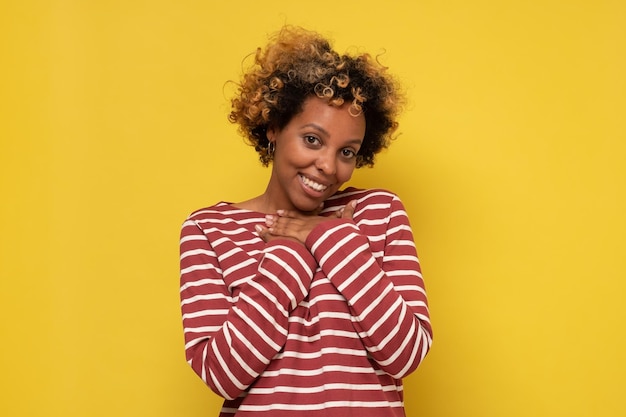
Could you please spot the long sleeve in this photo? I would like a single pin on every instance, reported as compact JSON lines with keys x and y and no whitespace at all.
{"x":385,"y":294}
{"x":233,"y":328}
{"x":328,"y":328}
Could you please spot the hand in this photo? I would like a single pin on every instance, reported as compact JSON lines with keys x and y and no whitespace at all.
{"x":295,"y":225}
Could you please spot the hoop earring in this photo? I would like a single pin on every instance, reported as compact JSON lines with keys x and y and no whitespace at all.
{"x":271,"y":147}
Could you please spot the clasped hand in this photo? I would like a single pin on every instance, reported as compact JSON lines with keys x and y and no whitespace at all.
{"x":295,"y":225}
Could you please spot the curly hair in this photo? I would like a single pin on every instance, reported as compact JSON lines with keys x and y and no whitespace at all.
{"x":298,"y":64}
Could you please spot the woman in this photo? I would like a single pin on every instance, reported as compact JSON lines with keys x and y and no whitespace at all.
{"x":307,"y":299}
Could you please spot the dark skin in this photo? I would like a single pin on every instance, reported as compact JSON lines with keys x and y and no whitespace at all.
{"x":296,"y":226}
{"x":315,"y":154}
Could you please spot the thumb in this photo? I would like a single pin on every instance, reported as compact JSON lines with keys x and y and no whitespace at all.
{"x":348,"y":210}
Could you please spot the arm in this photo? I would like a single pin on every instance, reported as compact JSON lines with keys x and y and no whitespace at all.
{"x":387,"y":302}
{"x":231,"y":338}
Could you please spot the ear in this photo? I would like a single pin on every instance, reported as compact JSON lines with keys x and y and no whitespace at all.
{"x":270,"y":133}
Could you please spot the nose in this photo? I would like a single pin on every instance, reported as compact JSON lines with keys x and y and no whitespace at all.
{"x":326,"y":163}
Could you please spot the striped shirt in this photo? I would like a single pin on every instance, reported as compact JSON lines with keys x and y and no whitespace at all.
{"x":328,"y":328}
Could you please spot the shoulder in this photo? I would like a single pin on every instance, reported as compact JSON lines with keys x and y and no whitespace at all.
{"x":222,"y":216}
{"x":218,"y":210}
{"x":362,"y":196}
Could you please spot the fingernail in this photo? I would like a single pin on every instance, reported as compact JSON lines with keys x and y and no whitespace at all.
{"x":353,"y":203}
{"x":258,"y":228}
{"x":280,"y":212}
{"x":269,"y":219}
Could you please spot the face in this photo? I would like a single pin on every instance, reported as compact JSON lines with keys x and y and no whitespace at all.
{"x":315,"y":155}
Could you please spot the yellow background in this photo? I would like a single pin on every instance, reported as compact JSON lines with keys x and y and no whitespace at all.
{"x":511,"y":162}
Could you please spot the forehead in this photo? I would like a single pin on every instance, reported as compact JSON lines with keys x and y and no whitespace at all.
{"x":336,"y":118}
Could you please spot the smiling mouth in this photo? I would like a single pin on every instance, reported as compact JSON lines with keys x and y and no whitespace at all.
{"x":312,"y":184}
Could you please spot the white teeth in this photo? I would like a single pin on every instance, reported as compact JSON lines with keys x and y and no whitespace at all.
{"x":312,"y":184}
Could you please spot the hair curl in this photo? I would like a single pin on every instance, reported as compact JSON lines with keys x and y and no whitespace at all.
{"x":298,"y":64}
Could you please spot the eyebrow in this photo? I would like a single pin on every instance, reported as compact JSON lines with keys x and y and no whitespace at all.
{"x":325,"y":132}
{"x":316,"y":126}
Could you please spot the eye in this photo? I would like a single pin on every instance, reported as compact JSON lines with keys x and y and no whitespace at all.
{"x":348,"y":153}
{"x":311,"y":140}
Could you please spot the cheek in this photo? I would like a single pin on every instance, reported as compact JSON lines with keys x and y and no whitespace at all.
{"x":344,"y":172}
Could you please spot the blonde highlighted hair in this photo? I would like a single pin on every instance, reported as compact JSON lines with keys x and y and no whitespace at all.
{"x":298,"y":64}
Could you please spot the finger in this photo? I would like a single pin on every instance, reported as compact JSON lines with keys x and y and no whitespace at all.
{"x":283,"y":226}
{"x":287,"y":213}
{"x":262,"y":231}
{"x":348,"y":210}
{"x":275,"y":224}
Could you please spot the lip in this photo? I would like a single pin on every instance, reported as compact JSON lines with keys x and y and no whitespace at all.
{"x":310,"y":191}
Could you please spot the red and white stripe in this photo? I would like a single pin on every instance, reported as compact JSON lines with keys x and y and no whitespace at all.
{"x":325,"y":329}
